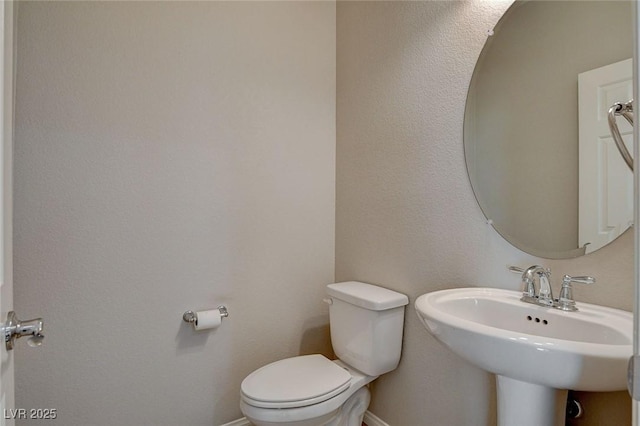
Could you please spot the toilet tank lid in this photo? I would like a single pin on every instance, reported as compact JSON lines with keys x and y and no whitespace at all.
{"x":367,"y":296}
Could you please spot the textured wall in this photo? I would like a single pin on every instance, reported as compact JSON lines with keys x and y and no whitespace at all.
{"x":406,"y":216}
{"x":170,"y":156}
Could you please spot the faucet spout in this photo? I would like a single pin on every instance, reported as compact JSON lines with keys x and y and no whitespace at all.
{"x":529,"y":284}
{"x":545,"y":294}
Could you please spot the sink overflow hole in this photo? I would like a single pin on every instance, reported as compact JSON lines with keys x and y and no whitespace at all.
{"x":530,"y":318}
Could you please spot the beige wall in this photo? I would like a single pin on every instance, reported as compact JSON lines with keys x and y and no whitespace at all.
{"x":406,"y":216}
{"x":170,"y":156}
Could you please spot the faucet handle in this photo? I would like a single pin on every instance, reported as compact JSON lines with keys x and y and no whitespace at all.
{"x":565,"y":300}
{"x":580,"y":280}
{"x":515,"y":269}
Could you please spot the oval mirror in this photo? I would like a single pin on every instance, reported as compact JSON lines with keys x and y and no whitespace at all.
{"x":545,"y":174}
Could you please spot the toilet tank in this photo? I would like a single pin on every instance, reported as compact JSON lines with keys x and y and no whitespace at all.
{"x":366,"y":325}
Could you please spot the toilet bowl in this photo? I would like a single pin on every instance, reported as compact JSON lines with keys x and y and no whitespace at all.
{"x":314,"y":391}
{"x":366,"y":324}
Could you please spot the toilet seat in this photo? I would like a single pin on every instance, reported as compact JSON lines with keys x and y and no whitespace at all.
{"x":295,"y":382}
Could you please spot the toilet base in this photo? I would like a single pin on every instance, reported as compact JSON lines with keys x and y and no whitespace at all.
{"x":317,"y":421}
{"x":352,"y":411}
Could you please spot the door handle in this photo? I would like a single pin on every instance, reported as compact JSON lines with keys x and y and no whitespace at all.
{"x":14,"y":329}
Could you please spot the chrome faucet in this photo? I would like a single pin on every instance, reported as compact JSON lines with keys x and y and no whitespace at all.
{"x":528,"y":283}
{"x":565,"y":300}
{"x":544,"y":295}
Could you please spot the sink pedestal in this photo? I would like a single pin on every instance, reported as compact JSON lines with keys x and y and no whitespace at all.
{"x":525,"y":404}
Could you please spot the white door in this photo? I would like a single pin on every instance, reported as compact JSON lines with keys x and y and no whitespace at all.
{"x":6,"y":158}
{"x":605,"y":182}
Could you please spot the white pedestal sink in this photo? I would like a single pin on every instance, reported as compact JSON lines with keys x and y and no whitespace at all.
{"x":536,"y":352}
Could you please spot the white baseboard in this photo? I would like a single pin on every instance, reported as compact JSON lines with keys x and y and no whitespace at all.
{"x":369,"y":418}
{"x":240,"y":422}
{"x":372,"y":420}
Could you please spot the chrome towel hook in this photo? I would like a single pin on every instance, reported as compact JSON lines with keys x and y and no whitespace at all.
{"x":625,"y":110}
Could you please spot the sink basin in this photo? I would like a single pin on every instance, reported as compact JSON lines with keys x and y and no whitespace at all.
{"x":533,"y":348}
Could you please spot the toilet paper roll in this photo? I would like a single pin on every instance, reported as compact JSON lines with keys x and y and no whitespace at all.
{"x":206,"y":320}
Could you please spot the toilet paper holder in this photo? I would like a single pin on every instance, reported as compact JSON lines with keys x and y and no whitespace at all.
{"x":191,"y":317}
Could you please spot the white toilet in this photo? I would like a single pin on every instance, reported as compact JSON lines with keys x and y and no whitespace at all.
{"x":366,"y":332}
